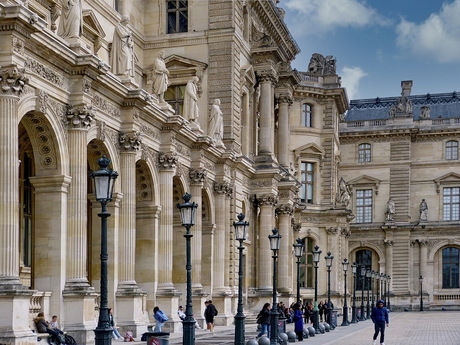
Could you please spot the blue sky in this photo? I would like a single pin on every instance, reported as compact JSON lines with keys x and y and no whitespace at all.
{"x":378,"y":43}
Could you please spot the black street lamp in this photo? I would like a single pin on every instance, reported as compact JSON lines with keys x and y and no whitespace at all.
{"x":345,"y":322}
{"x":316,"y":257}
{"x":187,"y":215}
{"x":104,"y":181}
{"x":241,"y":233}
{"x":329,"y":259}
{"x":274,"y":246}
{"x":362,"y":273}
{"x":421,"y":292}
{"x":373,"y":276}
{"x":368,"y":306}
{"x":382,"y":277}
{"x":385,"y":280}
{"x":298,"y":252}
{"x":354,"y":269}
{"x":389,"y":286}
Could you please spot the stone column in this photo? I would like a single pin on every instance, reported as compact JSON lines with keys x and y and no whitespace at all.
{"x":389,"y":258}
{"x":78,"y":122}
{"x":264,"y":260}
{"x":267,"y":130}
{"x":285,"y":258}
{"x":14,"y":298}
{"x":423,"y":258}
{"x":283,"y":130}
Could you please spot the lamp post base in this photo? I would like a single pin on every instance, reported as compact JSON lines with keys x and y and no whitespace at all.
{"x":103,"y":336}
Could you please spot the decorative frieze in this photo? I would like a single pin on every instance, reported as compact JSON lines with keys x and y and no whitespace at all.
{"x":167,"y":160}
{"x":79,"y":117}
{"x":197,"y":175}
{"x":149,"y":132}
{"x":45,"y":72}
{"x":12,"y":80}
{"x":105,"y":106}
{"x":130,"y":141}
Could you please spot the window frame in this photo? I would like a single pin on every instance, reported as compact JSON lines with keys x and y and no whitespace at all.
{"x":367,"y":209}
{"x":453,"y":212}
{"x":452,"y":284}
{"x":451,"y":150}
{"x":364,"y":153}
{"x":178,"y":10}
{"x":368,"y":264}
{"x":307,"y":182}
{"x":177,"y":103}
{"x":306,"y":118}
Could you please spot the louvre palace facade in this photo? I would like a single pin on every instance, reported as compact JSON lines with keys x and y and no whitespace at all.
{"x":200,"y":97}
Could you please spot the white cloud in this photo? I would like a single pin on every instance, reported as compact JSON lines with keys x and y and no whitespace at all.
{"x":351,"y":77}
{"x":325,"y":15}
{"x":437,"y":37}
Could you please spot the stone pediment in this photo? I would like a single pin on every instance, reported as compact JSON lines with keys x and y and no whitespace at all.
{"x":365,"y":180}
{"x":309,"y":150}
{"x":176,"y":62}
{"x":92,"y":29}
{"x":450,"y":178}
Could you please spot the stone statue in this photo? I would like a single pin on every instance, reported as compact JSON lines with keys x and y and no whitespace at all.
{"x":123,"y":49}
{"x":423,"y":210}
{"x":320,"y":65}
{"x":71,"y":22}
{"x":424,"y":113}
{"x":344,"y":193}
{"x":191,"y":111}
{"x":391,"y":210}
{"x":216,"y":124}
{"x":160,"y":77}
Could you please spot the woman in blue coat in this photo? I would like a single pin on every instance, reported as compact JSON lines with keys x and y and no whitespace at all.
{"x":298,"y":321}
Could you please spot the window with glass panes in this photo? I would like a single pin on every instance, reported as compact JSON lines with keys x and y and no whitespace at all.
{"x":451,"y":203}
{"x":450,"y":268}
{"x":452,"y":150}
{"x":363,"y":258}
{"x":174,"y":95}
{"x":306,"y":190}
{"x":364,"y":206}
{"x":307,"y":115}
{"x":364,"y":153}
{"x":177,"y":12}
{"x":307,"y":274}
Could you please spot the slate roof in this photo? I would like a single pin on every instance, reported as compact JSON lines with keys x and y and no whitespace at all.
{"x":442,"y":105}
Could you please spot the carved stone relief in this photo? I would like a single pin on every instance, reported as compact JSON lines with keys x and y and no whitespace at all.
{"x":197,"y":175}
{"x":167,"y":160}
{"x":80,"y":116}
{"x":12,"y":80}
{"x":106,"y":107}
{"x":46,"y":73}
{"x":130,"y":141}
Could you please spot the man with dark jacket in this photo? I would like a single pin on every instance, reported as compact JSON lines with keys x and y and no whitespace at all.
{"x":209,"y":314}
{"x":380,"y":319}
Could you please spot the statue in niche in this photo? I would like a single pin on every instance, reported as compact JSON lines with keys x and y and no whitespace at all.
{"x":160,"y":76}
{"x":216,"y":124}
{"x":425,"y":113}
{"x":344,"y":194}
{"x":423,"y":210}
{"x":123,"y":49}
{"x":191,"y":111}
{"x":71,"y":23}
{"x":391,"y":210}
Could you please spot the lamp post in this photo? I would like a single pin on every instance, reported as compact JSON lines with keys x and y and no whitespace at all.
{"x":298,"y":252}
{"x":373,"y":276}
{"x":274,"y":246}
{"x":187,"y":214}
{"x":389,"y":286}
{"x":382,"y":277}
{"x":354,"y":319}
{"x":104,"y":181}
{"x":316,"y":257}
{"x":241,"y":233}
{"x":329,"y":259}
{"x":368,"y":306}
{"x":363,"y":276}
{"x":421,"y":292}
{"x":345,"y":322}
{"x":385,"y":279}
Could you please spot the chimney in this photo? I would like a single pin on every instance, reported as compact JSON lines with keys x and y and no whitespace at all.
{"x":406,"y":86}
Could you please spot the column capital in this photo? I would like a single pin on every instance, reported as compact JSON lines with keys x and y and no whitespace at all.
{"x":12,"y":80}
{"x":332,"y":231}
{"x":267,"y":76}
{"x":422,"y":242}
{"x":265,"y":199}
{"x":388,"y":243}
{"x":285,"y":98}
{"x":223,"y":188}
{"x":79,"y":117}
{"x":285,"y":209}
{"x":167,"y":160}
{"x":197,"y":175}
{"x":130,"y":141}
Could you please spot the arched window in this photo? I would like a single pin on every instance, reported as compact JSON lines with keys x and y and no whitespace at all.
{"x":307,"y":120}
{"x":452,"y":150}
{"x":450,"y":268}
{"x":364,"y":153}
{"x":177,"y":14}
{"x":363,"y":258}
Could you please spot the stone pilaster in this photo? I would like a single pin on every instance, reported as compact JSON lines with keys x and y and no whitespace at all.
{"x":14,"y":298}
{"x":267,"y":123}
{"x":285,"y":259}
{"x":423,"y":258}
{"x":79,"y":119}
{"x":266,"y":203}
{"x":283,"y":130}
{"x":389,"y":257}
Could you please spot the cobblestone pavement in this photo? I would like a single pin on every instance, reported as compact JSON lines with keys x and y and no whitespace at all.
{"x":410,"y":328}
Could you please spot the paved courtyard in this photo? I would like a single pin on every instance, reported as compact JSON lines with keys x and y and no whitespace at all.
{"x":411,"y":328}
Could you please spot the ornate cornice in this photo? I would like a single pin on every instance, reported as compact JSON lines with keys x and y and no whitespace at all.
{"x":130,"y":142}
{"x":79,"y":117}
{"x":12,"y":80}
{"x":167,"y":160}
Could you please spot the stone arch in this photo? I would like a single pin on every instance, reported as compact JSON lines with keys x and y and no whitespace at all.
{"x":379,"y":261}
{"x":145,"y":191}
{"x":433,"y":251}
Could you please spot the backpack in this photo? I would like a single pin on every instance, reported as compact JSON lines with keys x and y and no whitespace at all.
{"x":163,"y":317}
{"x":215,"y":311}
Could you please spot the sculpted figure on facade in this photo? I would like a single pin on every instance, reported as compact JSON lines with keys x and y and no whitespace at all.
{"x":123,"y":49}
{"x":344,"y":193}
{"x":191,"y":111}
{"x":71,"y":23}
{"x":390,"y":211}
{"x":160,"y":76}
{"x":423,"y":210}
{"x":320,"y":65}
{"x":216,"y":124}
{"x":403,"y":106}
{"x":424,"y":113}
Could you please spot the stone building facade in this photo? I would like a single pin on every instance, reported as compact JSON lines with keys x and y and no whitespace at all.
{"x":399,"y":158}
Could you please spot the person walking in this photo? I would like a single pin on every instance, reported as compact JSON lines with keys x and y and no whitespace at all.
{"x":263,"y":318}
{"x":380,"y":318}
{"x":160,"y":318}
{"x":321,"y":310}
{"x":209,"y":313}
{"x":298,"y":321}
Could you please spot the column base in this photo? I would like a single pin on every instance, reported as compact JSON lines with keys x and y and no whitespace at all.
{"x":80,"y":313}
{"x":131,"y":313}
{"x":223,"y":304}
{"x":198,"y":300}
{"x":169,"y":303}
